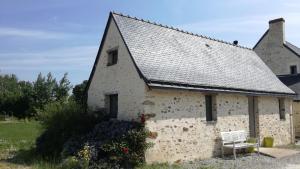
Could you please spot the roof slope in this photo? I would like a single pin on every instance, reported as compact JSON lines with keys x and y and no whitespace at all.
{"x":167,"y":55}
{"x":293,"y":48}
{"x":293,"y":82}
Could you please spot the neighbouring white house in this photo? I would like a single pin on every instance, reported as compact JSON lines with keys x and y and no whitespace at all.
{"x":190,"y":88}
{"x":283,"y":58}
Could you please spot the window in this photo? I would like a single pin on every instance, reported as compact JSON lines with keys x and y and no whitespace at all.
{"x":293,"y":69}
{"x":112,"y":105}
{"x":112,"y":57}
{"x":210,"y":108}
{"x":281,"y":108}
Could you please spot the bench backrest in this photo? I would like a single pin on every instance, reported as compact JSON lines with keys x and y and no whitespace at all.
{"x":234,"y":136}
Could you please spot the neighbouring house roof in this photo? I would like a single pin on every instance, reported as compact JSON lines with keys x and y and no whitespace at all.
{"x":293,"y":48}
{"x":171,"y":58}
{"x":293,"y":82}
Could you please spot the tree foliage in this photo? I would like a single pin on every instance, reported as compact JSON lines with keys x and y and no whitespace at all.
{"x":79,"y":94}
{"x":23,"y":98}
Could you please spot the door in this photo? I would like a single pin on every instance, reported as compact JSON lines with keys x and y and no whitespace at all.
{"x":113,"y":105}
{"x":253,"y":123}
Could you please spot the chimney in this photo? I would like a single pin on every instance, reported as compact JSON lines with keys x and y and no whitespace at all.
{"x":235,"y":42}
{"x":277,"y":31}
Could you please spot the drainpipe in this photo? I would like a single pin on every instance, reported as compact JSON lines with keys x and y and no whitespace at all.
{"x":292,"y":123}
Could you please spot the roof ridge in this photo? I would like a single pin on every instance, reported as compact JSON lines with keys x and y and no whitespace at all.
{"x":182,"y":31}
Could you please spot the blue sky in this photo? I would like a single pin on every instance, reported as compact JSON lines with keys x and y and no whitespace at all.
{"x":61,"y":36}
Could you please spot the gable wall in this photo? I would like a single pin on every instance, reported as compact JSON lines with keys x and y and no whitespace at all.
{"x":276,"y":56}
{"x":121,"y":78}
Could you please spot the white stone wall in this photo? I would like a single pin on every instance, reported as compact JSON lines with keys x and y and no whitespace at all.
{"x":182,"y":130}
{"x":121,"y":78}
{"x":270,"y":123}
{"x":183,"y":134}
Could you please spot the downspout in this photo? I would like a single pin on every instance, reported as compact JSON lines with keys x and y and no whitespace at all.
{"x":292,"y":123}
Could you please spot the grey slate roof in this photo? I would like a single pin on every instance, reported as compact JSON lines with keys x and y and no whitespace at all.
{"x":292,"y":47}
{"x":293,"y":82}
{"x":166,"y":56}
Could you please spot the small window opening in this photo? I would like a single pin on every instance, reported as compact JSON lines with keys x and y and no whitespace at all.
{"x":210,"y":103}
{"x":293,"y":69}
{"x":112,"y":57}
{"x":281,"y":108}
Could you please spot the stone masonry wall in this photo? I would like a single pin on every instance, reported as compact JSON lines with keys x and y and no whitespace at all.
{"x":181,"y":132}
{"x":270,"y":123}
{"x":181,"y":127}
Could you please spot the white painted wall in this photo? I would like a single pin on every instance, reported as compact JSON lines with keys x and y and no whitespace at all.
{"x":121,"y":78}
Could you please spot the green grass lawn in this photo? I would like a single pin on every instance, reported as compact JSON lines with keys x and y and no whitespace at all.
{"x":17,"y":138}
{"x":16,"y":135}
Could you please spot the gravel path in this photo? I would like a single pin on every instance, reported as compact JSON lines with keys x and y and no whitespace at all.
{"x":248,"y":162}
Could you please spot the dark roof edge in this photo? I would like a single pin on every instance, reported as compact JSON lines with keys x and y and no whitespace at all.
{"x":288,"y":75}
{"x":162,"y":84}
{"x":261,"y":38}
{"x":291,"y":50}
{"x":182,"y":31}
{"x":276,"y":20}
{"x":98,"y":53}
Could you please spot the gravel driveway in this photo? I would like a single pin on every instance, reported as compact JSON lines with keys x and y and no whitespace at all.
{"x":248,"y":162}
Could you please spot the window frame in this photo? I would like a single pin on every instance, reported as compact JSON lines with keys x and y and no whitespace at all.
{"x":281,"y":108}
{"x":112,"y":56}
{"x":293,"y":69}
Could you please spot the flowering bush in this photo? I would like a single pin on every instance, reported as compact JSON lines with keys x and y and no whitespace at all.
{"x":116,"y":142}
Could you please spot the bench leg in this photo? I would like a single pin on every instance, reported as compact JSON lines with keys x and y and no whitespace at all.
{"x":222,"y":152}
{"x":234,"y":153}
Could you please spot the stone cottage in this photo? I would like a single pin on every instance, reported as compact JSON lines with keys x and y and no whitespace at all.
{"x":189,"y":87}
{"x":283,"y":58}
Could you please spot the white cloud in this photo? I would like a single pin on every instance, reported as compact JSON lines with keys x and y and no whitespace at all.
{"x":247,"y":26}
{"x":65,"y":59}
{"x":38,"y":34}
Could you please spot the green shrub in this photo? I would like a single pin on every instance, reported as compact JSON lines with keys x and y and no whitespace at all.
{"x":118,"y":143}
{"x":61,"y":121}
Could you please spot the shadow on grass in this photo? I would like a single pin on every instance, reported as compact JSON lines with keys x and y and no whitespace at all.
{"x":29,"y":157}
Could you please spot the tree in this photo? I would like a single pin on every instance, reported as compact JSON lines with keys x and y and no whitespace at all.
{"x":23,"y":98}
{"x":79,"y":94}
{"x":62,"y":89}
{"x":15,"y":96}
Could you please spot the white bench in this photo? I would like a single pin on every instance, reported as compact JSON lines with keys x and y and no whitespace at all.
{"x":237,"y":140}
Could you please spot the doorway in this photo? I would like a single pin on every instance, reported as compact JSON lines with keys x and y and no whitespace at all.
{"x":253,"y":116}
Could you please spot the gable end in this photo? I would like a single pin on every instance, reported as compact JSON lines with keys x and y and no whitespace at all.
{"x":110,"y":19}
{"x":261,"y":38}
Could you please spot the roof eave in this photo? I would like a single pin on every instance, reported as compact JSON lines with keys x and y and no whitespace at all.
{"x":286,"y":46}
{"x":209,"y":89}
